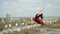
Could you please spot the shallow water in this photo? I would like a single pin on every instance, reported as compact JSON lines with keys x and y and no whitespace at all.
{"x":52,"y":31}
{"x":42,"y":30}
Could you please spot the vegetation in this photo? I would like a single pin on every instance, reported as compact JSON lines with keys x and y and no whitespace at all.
{"x":54,"y":27}
{"x":1,"y":26}
{"x":26,"y":31}
{"x":58,"y":22}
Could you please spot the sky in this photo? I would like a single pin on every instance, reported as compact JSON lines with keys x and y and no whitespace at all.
{"x":28,"y":8}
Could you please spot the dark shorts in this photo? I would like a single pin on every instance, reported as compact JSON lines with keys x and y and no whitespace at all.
{"x":39,"y":16}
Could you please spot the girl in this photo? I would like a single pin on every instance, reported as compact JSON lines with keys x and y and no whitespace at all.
{"x":39,"y":18}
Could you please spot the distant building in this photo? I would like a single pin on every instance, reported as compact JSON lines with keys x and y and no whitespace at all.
{"x":3,"y":21}
{"x":0,"y":20}
{"x":7,"y":18}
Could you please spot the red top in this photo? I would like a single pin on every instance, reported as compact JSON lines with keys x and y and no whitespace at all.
{"x":39,"y":21}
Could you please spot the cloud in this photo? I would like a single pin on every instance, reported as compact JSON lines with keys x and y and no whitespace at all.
{"x":20,"y":7}
{"x":48,"y":6}
{"x":24,"y":7}
{"x":30,"y":0}
{"x":57,"y":0}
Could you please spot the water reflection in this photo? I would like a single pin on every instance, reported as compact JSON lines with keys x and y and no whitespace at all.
{"x":42,"y":30}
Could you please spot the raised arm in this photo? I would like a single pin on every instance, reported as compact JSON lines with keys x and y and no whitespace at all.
{"x":40,"y":11}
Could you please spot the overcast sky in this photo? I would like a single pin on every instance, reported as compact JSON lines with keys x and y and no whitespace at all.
{"x":28,"y":8}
